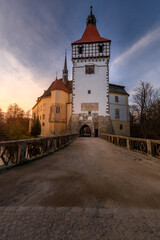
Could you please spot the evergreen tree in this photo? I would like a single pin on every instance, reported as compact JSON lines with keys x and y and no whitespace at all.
{"x":36,"y":127}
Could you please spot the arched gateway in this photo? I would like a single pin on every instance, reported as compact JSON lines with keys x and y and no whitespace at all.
{"x":85,"y":131}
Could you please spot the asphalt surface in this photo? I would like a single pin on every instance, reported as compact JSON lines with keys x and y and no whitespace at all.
{"x":89,"y":190}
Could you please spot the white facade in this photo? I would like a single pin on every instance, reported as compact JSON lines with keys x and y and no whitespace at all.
{"x":91,"y":106}
{"x":90,"y":88}
{"x":121,"y":105}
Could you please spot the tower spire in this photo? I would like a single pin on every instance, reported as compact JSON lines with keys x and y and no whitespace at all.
{"x":91,"y":18}
{"x":65,"y":70}
{"x":91,"y":10}
{"x":65,"y":60}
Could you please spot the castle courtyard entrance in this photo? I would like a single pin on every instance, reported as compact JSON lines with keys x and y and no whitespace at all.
{"x":85,"y":131}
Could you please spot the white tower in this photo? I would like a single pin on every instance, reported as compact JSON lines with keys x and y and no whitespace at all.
{"x":90,"y":57}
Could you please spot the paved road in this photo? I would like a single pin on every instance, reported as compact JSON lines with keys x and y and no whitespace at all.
{"x":89,"y":190}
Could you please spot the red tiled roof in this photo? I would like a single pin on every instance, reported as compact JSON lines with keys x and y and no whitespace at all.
{"x":58,"y":85}
{"x":91,"y":34}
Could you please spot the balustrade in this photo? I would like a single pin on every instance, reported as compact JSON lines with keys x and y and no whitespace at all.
{"x":14,"y":152}
{"x":148,"y":146}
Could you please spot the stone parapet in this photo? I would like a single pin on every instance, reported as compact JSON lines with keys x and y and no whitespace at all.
{"x":15,"y":152}
{"x":148,"y":146}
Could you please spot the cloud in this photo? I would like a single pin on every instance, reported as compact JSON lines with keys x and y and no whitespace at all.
{"x":17,"y":83}
{"x":34,"y":36}
{"x":139,"y":45}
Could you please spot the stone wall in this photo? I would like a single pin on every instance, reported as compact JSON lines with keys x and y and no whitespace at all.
{"x":89,"y":107}
{"x":125,"y":131}
{"x":103,"y":124}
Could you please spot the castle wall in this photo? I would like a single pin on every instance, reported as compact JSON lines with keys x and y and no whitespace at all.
{"x":125,"y":131}
{"x":96,"y":83}
{"x":121,"y":124}
{"x":42,"y":110}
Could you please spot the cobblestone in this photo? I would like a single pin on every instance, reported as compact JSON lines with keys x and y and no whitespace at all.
{"x":90,"y":190}
{"x":77,"y":223}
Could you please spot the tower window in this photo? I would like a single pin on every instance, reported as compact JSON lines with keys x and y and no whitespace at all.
{"x":116,"y":99}
{"x":100,"y":48}
{"x":43,"y":116}
{"x":58,"y":109}
{"x":89,"y":91}
{"x":90,"y":69}
{"x":80,"y":49}
{"x":121,"y":126}
{"x":117,"y":113}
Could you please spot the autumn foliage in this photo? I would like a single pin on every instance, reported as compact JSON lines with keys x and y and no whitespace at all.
{"x":14,"y":124}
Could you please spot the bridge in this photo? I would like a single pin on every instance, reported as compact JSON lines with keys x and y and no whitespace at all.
{"x":90,"y":189}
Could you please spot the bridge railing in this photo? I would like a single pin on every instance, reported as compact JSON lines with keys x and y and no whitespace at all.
{"x":14,"y":152}
{"x":148,"y":146}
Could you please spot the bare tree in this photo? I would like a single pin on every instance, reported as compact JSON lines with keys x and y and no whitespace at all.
{"x":144,"y":100}
{"x":2,"y":126}
{"x":14,"y":111}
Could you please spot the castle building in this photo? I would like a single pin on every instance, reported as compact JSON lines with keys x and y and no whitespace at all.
{"x":88,"y":104}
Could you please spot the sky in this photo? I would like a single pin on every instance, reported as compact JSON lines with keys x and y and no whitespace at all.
{"x":35,"y":33}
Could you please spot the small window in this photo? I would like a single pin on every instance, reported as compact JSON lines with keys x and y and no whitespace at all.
{"x":89,"y":91}
{"x":89,"y":113}
{"x":43,"y":124}
{"x":117,"y":113}
{"x":121,"y":126}
{"x":90,"y":69}
{"x":116,"y":99}
{"x":80,"y":49}
{"x":100,"y":48}
{"x":58,"y":109}
{"x":43,"y":116}
{"x":40,"y":117}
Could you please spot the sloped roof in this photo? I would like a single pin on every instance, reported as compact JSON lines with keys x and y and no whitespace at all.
{"x":91,"y":34}
{"x":58,"y":85}
{"x":69,"y":86}
{"x":113,"y":88}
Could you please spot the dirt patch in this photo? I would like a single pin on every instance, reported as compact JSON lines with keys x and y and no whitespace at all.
{"x":83,"y":191}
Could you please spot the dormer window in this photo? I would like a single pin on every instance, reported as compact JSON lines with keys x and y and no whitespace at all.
{"x":100,"y":48}
{"x":80,"y":49}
